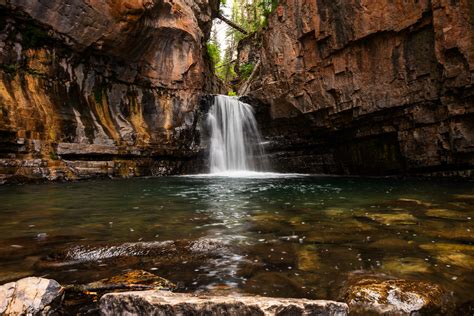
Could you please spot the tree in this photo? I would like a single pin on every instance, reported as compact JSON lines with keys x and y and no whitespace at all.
{"x":247,"y":16}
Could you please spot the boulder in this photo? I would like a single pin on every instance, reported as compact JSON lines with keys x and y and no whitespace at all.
{"x":30,"y":296}
{"x":395,"y":297}
{"x":167,"y":303}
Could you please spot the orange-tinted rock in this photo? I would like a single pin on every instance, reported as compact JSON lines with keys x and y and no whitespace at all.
{"x":101,"y":88}
{"x":371,"y":87}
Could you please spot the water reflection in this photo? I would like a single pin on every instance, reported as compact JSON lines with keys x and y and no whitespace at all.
{"x":296,"y":236}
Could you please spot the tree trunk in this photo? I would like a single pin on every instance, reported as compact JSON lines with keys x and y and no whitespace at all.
{"x":231,"y":24}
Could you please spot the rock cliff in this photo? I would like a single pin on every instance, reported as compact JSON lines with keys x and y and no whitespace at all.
{"x":101,"y":88}
{"x":367,"y":87}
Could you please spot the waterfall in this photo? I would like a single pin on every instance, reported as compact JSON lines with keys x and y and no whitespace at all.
{"x":236,"y":144}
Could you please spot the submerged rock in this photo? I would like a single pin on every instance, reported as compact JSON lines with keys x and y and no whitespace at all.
{"x":452,"y":254}
{"x":166,"y":303}
{"x":279,"y":284}
{"x":308,"y":259}
{"x":394,"y":218}
{"x":407,"y":265}
{"x":392,"y":244}
{"x":446,"y":214}
{"x":165,"y":252}
{"x":460,"y":231}
{"x":395,"y":297}
{"x":30,"y":296}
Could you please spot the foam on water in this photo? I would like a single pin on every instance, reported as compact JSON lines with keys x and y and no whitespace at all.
{"x":248,"y":175}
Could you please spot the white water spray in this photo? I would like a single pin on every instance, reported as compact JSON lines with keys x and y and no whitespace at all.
{"x":236,"y":144}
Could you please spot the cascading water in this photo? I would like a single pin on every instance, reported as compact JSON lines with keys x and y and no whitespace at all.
{"x":236,"y":144}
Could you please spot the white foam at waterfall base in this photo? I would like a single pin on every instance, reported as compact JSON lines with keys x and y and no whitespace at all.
{"x":235,"y":144}
{"x":248,"y":174}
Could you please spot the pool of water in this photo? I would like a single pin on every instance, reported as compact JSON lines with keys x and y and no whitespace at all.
{"x":294,"y":236}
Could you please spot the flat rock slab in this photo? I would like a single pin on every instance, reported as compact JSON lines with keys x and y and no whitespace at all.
{"x":165,"y":303}
{"x":30,"y":296}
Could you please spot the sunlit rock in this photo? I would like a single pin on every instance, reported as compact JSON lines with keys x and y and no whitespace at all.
{"x":165,"y":303}
{"x":30,"y":296}
{"x":130,"y":280}
{"x":394,"y":297}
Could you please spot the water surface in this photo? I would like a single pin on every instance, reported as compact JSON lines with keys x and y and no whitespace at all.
{"x":274,"y":236}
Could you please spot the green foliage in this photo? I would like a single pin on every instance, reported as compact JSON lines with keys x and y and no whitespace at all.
{"x":252,"y":16}
{"x":9,"y":68}
{"x":268,"y":6}
{"x":246,"y":70}
{"x":33,"y":36}
{"x":232,"y":93}
{"x":213,"y":52}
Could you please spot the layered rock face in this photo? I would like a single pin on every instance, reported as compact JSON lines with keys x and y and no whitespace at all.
{"x":368,"y":87}
{"x":101,"y":88}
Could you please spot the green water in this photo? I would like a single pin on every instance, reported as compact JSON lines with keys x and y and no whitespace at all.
{"x":289,"y":237}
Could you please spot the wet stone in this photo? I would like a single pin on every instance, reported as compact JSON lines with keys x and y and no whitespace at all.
{"x":163,"y":253}
{"x":129,"y":280}
{"x":395,"y":297}
{"x":82,"y":298}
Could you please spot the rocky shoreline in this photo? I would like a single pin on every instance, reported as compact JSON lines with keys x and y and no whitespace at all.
{"x":143,"y":293}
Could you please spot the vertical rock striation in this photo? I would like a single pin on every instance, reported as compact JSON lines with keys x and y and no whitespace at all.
{"x":371,"y":87}
{"x":101,"y":88}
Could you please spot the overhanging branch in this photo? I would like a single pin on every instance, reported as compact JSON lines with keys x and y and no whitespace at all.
{"x":231,"y":23}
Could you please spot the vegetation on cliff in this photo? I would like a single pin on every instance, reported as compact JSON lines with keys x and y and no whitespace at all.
{"x":249,"y":15}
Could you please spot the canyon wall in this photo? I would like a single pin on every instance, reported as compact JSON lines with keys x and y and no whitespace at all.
{"x":366,"y":87}
{"x":101,"y":88}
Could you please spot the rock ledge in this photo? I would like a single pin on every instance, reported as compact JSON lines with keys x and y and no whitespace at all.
{"x":167,"y":303}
